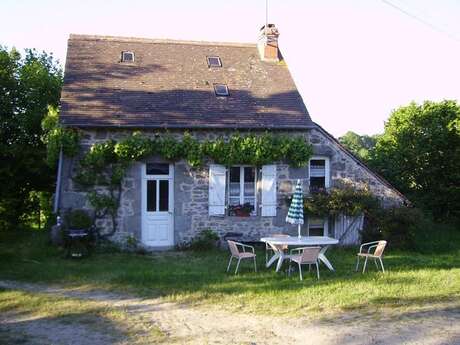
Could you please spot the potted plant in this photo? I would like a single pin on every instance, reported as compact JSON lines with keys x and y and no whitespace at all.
{"x":241,"y":210}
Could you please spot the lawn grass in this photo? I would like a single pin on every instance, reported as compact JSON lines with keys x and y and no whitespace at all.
{"x":413,"y":280}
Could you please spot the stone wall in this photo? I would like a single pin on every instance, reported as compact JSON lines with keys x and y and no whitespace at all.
{"x":346,"y":169}
{"x":191,"y":190}
{"x":191,"y":212}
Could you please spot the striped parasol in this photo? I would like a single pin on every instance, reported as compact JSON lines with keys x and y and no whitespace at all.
{"x":295,"y":213}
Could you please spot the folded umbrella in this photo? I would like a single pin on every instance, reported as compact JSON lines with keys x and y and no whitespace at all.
{"x":295,"y":212}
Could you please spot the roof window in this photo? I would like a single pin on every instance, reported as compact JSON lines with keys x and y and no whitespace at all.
{"x":221,"y":90}
{"x":214,"y":61}
{"x":127,"y":56}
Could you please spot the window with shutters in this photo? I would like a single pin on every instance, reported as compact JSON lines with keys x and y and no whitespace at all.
{"x":319,"y":174}
{"x":242,"y":191}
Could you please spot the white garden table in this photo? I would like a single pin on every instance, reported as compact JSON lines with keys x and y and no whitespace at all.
{"x":276,"y":244}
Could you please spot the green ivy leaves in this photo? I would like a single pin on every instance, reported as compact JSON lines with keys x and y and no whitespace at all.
{"x":250,"y":149}
{"x":56,"y":137}
{"x":345,"y":200}
{"x":259,"y":150}
{"x":105,"y":163}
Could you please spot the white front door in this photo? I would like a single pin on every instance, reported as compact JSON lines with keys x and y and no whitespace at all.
{"x":158,"y":204}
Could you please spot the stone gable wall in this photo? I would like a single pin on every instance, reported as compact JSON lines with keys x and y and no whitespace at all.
{"x":191,"y":190}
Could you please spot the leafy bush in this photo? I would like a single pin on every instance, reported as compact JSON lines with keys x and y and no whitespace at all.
{"x":131,"y":243}
{"x":56,"y":137}
{"x":419,"y":153}
{"x":206,"y":240}
{"x":78,"y":219}
{"x":399,"y":226}
{"x":346,"y":200}
{"x":436,"y":237}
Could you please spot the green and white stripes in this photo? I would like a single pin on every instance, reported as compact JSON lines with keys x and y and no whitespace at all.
{"x":295,"y":213}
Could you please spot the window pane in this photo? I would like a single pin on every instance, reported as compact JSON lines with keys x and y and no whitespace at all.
{"x":249,"y":187}
{"x":234,"y":187}
{"x":249,"y":182}
{"x":164,"y":195}
{"x":316,"y":226}
{"x":316,"y":232}
{"x":214,"y":61}
{"x":317,"y":168}
{"x":128,"y":56}
{"x":235,"y":174}
{"x":317,"y":184}
{"x":234,"y":200}
{"x":248,"y":174}
{"x":157,"y":169}
{"x":221,"y":89}
{"x":151,"y":196}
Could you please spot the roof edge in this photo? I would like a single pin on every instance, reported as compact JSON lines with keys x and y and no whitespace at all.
{"x":82,"y":37}
{"x":361,"y":163}
{"x":208,"y":126}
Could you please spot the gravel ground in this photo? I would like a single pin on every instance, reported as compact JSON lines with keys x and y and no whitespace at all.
{"x":183,"y":324}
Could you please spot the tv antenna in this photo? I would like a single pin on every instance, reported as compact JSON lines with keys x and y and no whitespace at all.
{"x":266,"y":14}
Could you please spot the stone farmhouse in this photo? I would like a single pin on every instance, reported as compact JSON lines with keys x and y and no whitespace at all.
{"x":114,"y":86}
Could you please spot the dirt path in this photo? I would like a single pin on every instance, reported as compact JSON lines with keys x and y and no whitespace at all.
{"x":182,"y":324}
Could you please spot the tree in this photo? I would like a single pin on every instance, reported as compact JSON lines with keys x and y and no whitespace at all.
{"x":360,"y":145}
{"x":419,"y":153}
{"x":28,"y":85}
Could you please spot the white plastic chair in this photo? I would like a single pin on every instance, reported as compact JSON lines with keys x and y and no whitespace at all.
{"x":307,"y":255}
{"x":378,"y":246}
{"x":240,"y":255}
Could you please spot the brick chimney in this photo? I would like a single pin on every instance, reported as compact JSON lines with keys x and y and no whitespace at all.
{"x":268,"y":43}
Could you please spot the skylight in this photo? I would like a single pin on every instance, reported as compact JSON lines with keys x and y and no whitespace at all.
{"x":214,"y":61}
{"x":127,"y":56}
{"x":221,"y":90}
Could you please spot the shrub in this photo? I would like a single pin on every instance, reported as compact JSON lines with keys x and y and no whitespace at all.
{"x":206,"y":240}
{"x":131,"y":243}
{"x":438,"y":238}
{"x":347,"y":200}
{"x":398,"y":226}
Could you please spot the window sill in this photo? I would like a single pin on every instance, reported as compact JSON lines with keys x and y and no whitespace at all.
{"x":242,"y":217}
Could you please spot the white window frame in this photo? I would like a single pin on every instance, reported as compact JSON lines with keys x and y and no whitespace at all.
{"x":221,"y":94}
{"x":214,"y":57}
{"x":327,"y":170}
{"x":254,"y":212}
{"x":325,"y":226}
{"x":127,"y":52}
{"x":169,"y":177}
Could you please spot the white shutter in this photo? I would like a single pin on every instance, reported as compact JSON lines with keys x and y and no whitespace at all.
{"x":217,"y":177}
{"x":269,"y":191}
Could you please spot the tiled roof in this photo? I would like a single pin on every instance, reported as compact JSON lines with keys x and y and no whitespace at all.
{"x":169,"y":85}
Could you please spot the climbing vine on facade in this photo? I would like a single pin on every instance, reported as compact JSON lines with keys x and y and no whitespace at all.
{"x":103,"y":167}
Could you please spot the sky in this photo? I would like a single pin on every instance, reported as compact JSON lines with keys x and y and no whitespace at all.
{"x":353,"y":61}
